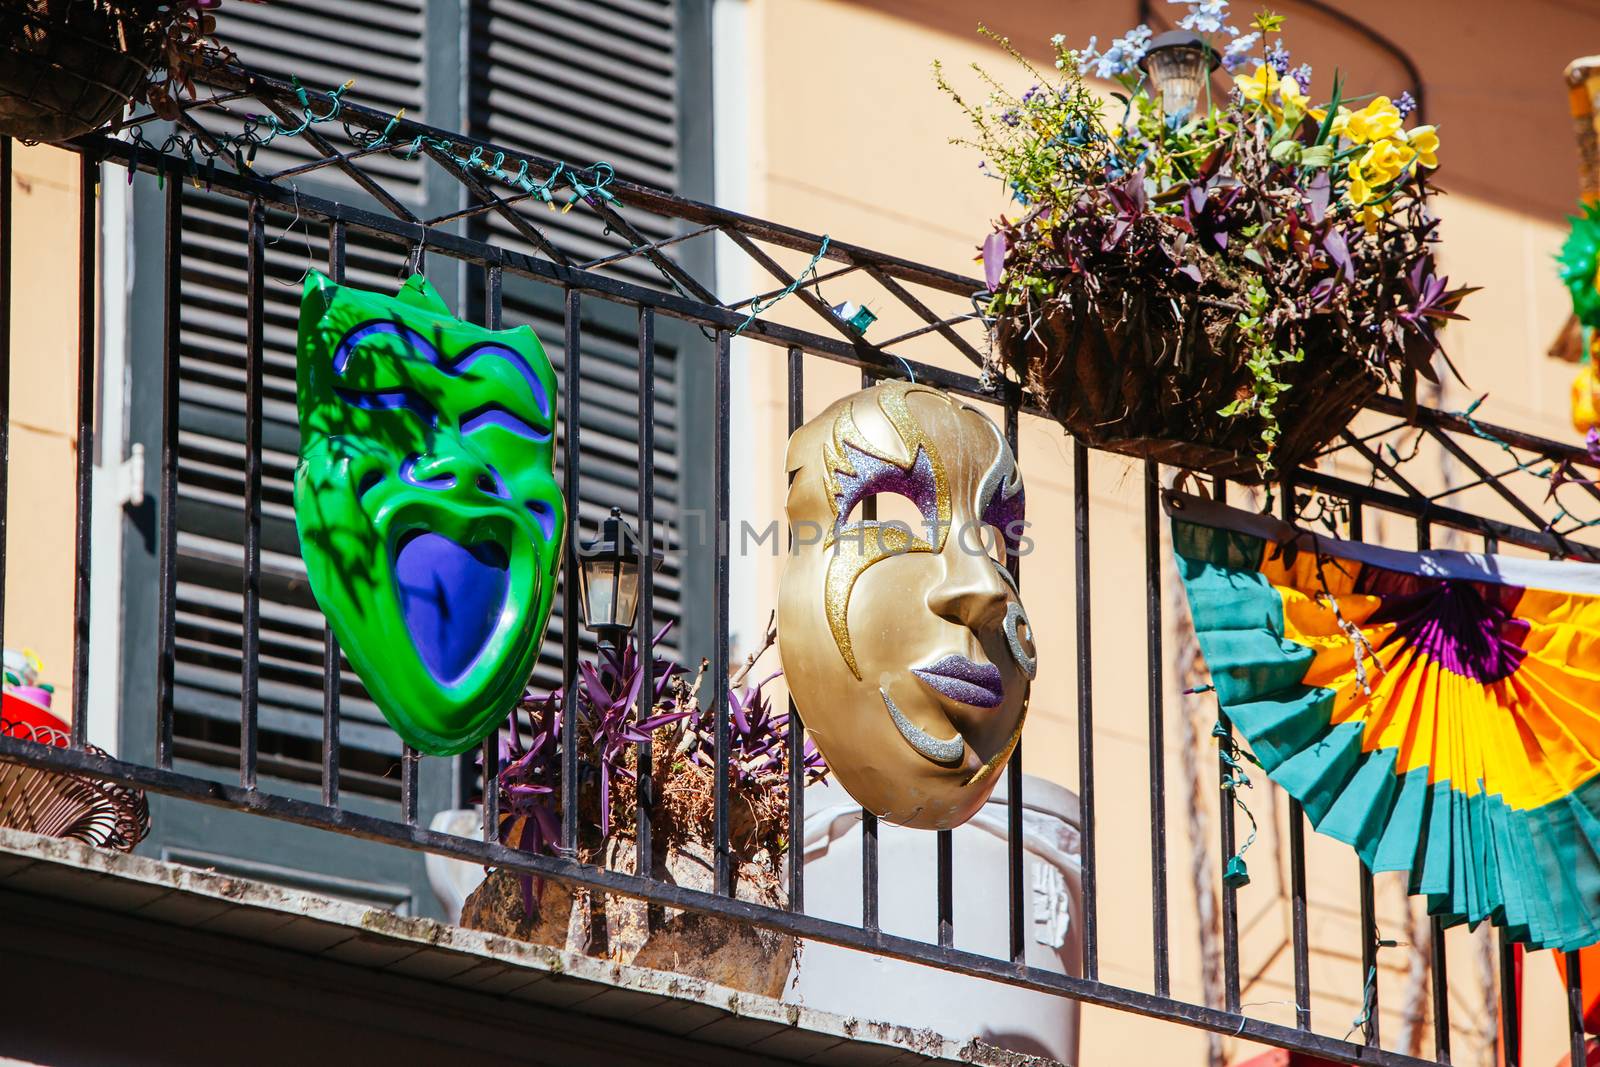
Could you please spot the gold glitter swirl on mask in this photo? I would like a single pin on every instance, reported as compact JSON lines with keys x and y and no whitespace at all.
{"x":866,"y":543}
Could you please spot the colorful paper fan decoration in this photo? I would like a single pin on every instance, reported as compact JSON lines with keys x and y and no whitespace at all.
{"x":1439,"y":712}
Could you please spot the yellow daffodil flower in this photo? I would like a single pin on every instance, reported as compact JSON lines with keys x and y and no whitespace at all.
{"x":1424,"y":144}
{"x":1290,"y":93}
{"x":1383,"y":162}
{"x":1360,"y":190}
{"x":1261,"y":86}
{"x":1377,"y":121}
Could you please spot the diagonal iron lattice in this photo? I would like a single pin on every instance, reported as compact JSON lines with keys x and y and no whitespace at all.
{"x":1443,"y":468}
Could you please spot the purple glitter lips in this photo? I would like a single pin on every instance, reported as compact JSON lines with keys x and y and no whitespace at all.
{"x":962,"y":680}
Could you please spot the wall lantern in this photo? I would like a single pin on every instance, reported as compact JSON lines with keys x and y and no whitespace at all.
{"x":1179,"y":63}
{"x":609,"y":572}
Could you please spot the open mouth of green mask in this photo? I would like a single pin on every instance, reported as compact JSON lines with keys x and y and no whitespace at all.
{"x":429,"y":516}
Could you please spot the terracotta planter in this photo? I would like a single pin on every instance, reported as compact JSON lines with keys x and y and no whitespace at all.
{"x":67,"y":67}
{"x":708,"y":947}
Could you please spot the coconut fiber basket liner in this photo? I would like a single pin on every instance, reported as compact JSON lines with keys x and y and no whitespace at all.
{"x":60,"y":804}
{"x":1134,"y":379}
{"x":67,"y":66}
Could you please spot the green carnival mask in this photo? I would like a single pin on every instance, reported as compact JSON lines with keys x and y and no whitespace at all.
{"x":429,"y":515}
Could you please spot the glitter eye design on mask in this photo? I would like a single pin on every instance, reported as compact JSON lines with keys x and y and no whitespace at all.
{"x":875,"y":477}
{"x":1000,"y":499}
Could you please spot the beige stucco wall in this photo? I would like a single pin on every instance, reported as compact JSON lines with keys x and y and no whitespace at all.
{"x":843,"y":132}
{"x":846,"y":134}
{"x":44,"y":411}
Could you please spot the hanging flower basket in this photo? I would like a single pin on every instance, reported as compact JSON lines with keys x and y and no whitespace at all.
{"x":1126,"y":374}
{"x":70,"y":66}
{"x":1217,"y":284}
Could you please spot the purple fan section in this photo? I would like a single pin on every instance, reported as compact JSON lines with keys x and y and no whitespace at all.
{"x":874,"y":475}
{"x":1468,"y":628}
{"x":451,"y":596}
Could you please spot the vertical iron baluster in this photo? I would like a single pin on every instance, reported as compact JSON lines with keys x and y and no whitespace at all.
{"x":1441,"y":992}
{"x":869,"y":820}
{"x":1229,"y":840}
{"x":1510,"y":1003}
{"x":1297,"y":903}
{"x":6,"y":149}
{"x":1085,"y":650}
{"x":171,"y":323}
{"x":571,"y":611}
{"x":489,"y":777}
{"x":1015,"y":851}
{"x":1369,"y":918}
{"x":88,"y":179}
{"x":1575,"y":1008}
{"x":250,"y":662}
{"x":1157,"y":728}
{"x":330,"y":644}
{"x":869,"y":870}
{"x":489,"y":772}
{"x":719,"y":594}
{"x":409,"y":758}
{"x":645,"y":851}
{"x":944,"y":847}
{"x":1297,"y":858}
{"x":1369,"y":956}
{"x":797,"y":735}
{"x":1441,"y":995}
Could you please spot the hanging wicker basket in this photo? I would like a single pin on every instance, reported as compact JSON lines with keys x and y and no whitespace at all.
{"x":1128,"y":374}
{"x":62,"y":804}
{"x":69,"y":66}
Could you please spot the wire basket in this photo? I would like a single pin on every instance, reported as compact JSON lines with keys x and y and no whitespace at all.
{"x":63,"y":804}
{"x":70,"y":66}
{"x":1127,"y":381}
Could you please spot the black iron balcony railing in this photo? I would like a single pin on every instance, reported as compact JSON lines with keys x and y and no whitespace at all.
{"x":1487,"y":483}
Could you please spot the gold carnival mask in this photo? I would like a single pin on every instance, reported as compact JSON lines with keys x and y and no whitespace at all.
{"x":903,"y":639}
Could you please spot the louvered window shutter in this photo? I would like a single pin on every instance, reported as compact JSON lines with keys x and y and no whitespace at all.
{"x":588,"y":81}
{"x":578,"y":80}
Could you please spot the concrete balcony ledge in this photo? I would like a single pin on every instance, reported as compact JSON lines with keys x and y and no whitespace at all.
{"x":112,"y":958}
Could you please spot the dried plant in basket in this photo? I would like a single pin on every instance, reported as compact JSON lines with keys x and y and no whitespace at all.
{"x":1220,"y":287}
{"x":613,"y":718}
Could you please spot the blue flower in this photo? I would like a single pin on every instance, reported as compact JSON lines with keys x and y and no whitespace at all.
{"x":1010,"y":118}
{"x":1302,"y":74}
{"x":1087,"y":54}
{"x":1278,"y":57}
{"x":1405,"y":103}
{"x":1125,"y":52}
{"x":1238,"y":51}
{"x":1205,"y":16}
